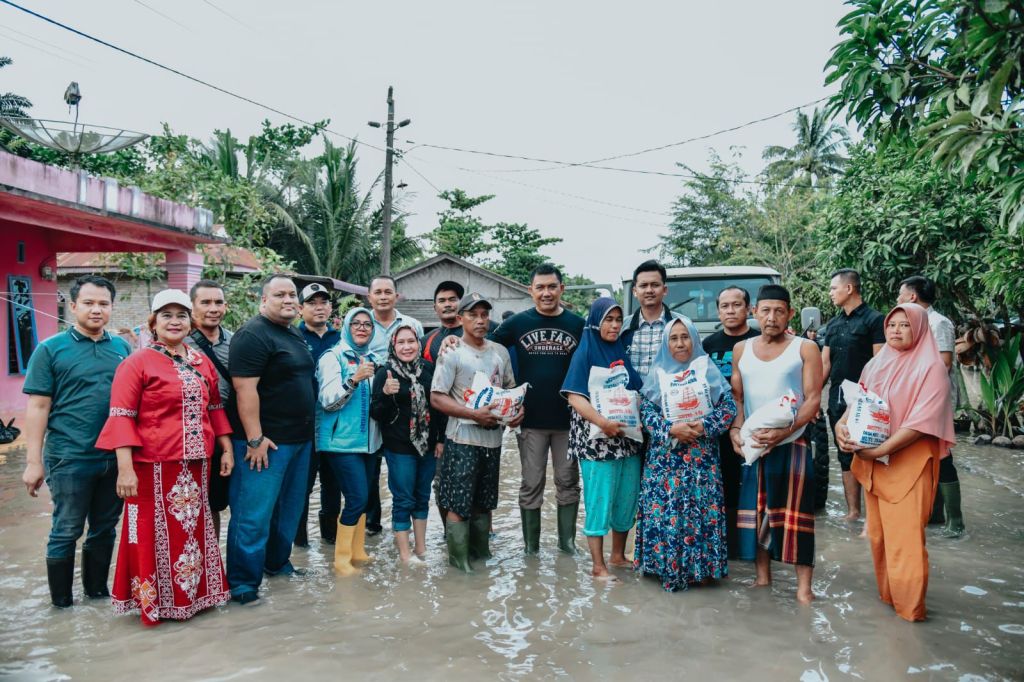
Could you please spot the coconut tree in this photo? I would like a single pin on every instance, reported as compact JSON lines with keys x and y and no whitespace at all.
{"x":10,"y":103}
{"x":814,"y":158}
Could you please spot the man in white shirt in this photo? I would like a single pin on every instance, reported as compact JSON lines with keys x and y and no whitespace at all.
{"x":921,"y":290}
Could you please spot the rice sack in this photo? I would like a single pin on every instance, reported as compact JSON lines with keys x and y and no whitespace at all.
{"x":778,"y":414}
{"x":686,"y":397}
{"x":612,"y":400}
{"x":504,"y":402}
{"x":868,"y":420}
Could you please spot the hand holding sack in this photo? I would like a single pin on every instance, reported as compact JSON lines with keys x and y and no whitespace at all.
{"x":868,"y":422}
{"x":613,"y":401}
{"x":504,"y":402}
{"x":686,"y":397}
{"x":778,"y":414}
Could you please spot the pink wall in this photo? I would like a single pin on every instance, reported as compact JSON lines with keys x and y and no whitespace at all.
{"x":44,"y":298}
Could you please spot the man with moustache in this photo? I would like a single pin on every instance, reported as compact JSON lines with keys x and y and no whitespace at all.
{"x":270,"y":369}
{"x":68,"y":383}
{"x":320,"y":337}
{"x":854,"y":336}
{"x":733,"y":311}
{"x":643,"y":329}
{"x":776,"y":505}
{"x":209,"y":306}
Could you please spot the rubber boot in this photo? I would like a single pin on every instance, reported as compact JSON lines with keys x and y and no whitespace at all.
{"x":60,"y":573}
{"x":302,"y":534}
{"x":328,"y":528}
{"x":937,"y":517}
{"x":479,"y":536}
{"x":359,"y":542}
{"x":458,"y":545}
{"x":567,"y":514}
{"x":954,"y":516}
{"x":343,"y":550}
{"x":95,"y":569}
{"x":531,"y":529}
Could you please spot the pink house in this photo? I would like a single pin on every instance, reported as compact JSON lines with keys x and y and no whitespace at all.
{"x":45,"y":210}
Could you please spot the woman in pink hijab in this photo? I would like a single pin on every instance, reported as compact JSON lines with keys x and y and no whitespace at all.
{"x":909,"y":375}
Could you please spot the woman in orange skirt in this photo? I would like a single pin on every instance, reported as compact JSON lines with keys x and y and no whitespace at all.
{"x":909,"y":375}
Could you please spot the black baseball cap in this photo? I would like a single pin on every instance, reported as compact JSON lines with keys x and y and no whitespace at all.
{"x":472,"y":300}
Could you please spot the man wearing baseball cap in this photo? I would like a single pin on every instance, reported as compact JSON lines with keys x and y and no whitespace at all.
{"x":320,"y":337}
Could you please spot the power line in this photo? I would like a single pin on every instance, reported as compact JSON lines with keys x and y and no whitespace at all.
{"x":56,"y":47}
{"x":45,"y":51}
{"x":161,"y":14}
{"x":229,"y":15}
{"x":402,"y":159}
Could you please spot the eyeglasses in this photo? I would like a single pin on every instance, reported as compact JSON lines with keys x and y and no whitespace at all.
{"x":361,"y":325}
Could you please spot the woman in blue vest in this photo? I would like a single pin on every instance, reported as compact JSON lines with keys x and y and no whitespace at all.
{"x":345,"y":433}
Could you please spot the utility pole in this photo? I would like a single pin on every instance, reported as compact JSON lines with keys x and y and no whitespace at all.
{"x":389,"y":155}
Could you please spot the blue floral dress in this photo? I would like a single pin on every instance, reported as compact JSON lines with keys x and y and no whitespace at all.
{"x":680,"y":530}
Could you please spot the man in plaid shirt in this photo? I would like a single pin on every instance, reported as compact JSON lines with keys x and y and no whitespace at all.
{"x":645,"y":327}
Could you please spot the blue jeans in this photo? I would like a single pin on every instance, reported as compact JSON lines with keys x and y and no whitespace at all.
{"x":353,"y":472}
{"x":265,"y":510}
{"x":409,"y":479}
{"x":82,"y":490}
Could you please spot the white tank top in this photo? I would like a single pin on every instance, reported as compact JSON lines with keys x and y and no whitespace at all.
{"x":764,"y":382}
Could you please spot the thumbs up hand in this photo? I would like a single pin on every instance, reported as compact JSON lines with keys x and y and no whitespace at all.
{"x":390,"y":385}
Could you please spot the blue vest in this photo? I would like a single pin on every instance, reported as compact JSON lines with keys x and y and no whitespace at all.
{"x":349,"y":429}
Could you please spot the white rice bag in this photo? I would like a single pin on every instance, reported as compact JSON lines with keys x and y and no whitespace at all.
{"x":868,"y":422}
{"x":504,"y":402}
{"x":778,"y":414}
{"x":686,"y":397}
{"x":612,"y":400}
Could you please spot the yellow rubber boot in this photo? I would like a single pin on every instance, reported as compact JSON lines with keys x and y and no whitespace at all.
{"x":343,"y":550}
{"x":359,"y":542}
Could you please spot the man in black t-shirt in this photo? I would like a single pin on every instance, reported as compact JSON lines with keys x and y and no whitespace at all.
{"x":854,"y":336}
{"x":270,"y":367}
{"x":733,"y":311}
{"x":544,"y":339}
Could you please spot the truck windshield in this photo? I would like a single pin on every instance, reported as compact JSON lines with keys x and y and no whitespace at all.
{"x":696,"y":298}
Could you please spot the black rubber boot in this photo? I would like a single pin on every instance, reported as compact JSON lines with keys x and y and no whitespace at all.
{"x":479,"y":536}
{"x":954,"y":516}
{"x":60,"y":573}
{"x":458,"y":545}
{"x":328,"y":528}
{"x":567,"y":514}
{"x":531,"y":529}
{"x":302,"y":534}
{"x":95,"y":570}
{"x":937,"y":517}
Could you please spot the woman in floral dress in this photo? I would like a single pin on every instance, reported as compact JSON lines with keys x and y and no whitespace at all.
{"x":680,"y":533}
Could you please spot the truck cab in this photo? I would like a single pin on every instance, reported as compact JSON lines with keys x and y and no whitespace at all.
{"x":694,"y":291}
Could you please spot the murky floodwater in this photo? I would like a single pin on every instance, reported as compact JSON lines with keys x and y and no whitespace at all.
{"x":543,"y":617}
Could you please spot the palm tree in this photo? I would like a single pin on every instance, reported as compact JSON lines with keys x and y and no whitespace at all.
{"x":10,"y":103}
{"x":814,"y":158}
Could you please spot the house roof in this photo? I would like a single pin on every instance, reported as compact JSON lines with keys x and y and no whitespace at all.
{"x":483,"y":272}
{"x":240,"y":260}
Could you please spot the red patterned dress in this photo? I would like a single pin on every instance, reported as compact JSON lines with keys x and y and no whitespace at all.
{"x":169,"y":411}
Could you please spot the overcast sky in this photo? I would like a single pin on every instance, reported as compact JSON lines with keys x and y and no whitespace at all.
{"x":570,"y":81}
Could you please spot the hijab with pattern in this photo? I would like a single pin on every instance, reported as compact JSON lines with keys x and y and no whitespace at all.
{"x":419,"y":424}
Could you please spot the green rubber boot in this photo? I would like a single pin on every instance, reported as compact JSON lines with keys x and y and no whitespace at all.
{"x":567,"y":514}
{"x":954,"y":517}
{"x":531,"y":529}
{"x":458,"y":545}
{"x":479,"y":536}
{"x":937,"y":518}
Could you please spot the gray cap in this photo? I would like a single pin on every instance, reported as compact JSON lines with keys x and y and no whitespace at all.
{"x":472,"y":299}
{"x":313,"y":289}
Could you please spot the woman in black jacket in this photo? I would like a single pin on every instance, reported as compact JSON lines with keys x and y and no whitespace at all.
{"x":400,"y":404}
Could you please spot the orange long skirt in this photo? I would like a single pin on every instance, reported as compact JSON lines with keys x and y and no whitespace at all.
{"x":897,"y":536}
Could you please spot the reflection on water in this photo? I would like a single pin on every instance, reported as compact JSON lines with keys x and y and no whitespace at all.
{"x":542,"y":617}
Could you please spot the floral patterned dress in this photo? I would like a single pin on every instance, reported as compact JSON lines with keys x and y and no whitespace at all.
{"x":680,"y":531}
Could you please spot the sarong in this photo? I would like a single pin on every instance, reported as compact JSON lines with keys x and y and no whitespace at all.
{"x":776,"y":507}
{"x":168,"y":561}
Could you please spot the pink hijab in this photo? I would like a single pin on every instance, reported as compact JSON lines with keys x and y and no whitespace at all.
{"x":914,"y":381}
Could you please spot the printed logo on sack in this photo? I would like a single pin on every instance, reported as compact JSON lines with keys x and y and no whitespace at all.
{"x":548,"y":342}
{"x":484,"y":397}
{"x":880,"y":416}
{"x":689,"y":403}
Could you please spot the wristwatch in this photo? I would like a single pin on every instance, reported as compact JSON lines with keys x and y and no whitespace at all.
{"x":255,"y":442}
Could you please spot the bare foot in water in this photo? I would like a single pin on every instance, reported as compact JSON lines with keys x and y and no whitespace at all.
{"x":761,"y":583}
{"x":602,"y":575}
{"x":620,"y":562}
{"x":804,"y":597}
{"x":852,"y":516}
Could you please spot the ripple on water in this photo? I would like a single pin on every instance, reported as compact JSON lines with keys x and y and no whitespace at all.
{"x":1012,"y":629}
{"x":971,"y":589}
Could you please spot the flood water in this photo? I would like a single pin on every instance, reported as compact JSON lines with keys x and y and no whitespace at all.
{"x":542,"y":617}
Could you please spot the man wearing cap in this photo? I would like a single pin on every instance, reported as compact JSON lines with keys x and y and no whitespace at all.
{"x":382,"y":295}
{"x":270,"y":369}
{"x":68,"y":384}
{"x":320,"y":337}
{"x":471,"y":465}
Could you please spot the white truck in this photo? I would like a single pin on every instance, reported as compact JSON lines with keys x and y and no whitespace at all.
{"x":694,"y":291}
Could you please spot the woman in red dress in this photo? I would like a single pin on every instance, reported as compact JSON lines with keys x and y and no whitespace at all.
{"x":165,"y":412}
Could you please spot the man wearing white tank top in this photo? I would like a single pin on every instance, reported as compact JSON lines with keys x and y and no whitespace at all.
{"x":776,"y":508}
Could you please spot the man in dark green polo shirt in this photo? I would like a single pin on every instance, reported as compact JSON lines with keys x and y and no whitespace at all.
{"x":68,"y":384}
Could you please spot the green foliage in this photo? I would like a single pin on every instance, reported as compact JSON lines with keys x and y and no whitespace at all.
{"x":1002,"y":389}
{"x":581,"y":299}
{"x":243,"y":293}
{"x":518,"y":250}
{"x":12,"y":104}
{"x":894,"y":215}
{"x":459,"y":232}
{"x":815,"y":157}
{"x":948,"y":72}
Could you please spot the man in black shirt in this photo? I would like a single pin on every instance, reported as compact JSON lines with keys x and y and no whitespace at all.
{"x":733,"y":311}
{"x":544,"y":339}
{"x":270,"y":368}
{"x":855,"y":334}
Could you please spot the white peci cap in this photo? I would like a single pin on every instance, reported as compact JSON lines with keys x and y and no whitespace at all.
{"x":169,"y":296}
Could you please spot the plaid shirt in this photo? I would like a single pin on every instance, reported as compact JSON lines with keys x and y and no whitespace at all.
{"x":645,"y":344}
